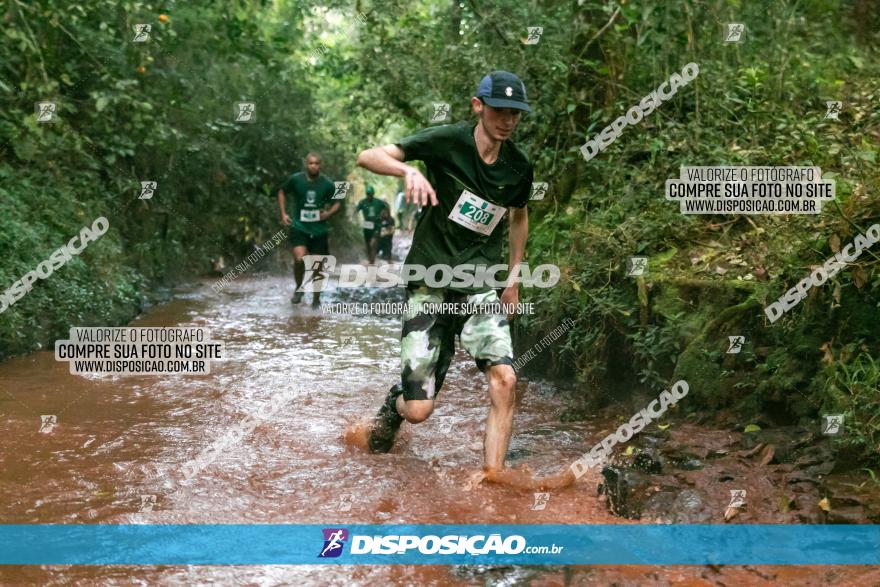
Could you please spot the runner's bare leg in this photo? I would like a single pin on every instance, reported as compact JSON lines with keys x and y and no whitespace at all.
{"x":499,"y":423}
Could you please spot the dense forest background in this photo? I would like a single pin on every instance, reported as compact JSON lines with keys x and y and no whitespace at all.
{"x":337,"y":77}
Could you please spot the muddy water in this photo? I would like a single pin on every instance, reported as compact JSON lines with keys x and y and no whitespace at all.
{"x":119,"y":439}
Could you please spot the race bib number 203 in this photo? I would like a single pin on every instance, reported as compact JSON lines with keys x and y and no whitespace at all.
{"x":475,"y":213}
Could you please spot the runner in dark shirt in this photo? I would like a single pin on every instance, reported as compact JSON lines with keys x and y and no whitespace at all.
{"x":371,"y":208}
{"x":477,"y":181}
{"x":310,"y":193}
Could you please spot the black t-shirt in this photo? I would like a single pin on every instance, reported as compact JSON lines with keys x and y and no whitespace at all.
{"x":469,"y":223}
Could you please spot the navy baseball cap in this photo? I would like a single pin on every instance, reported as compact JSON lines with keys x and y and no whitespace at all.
{"x":502,"y":89}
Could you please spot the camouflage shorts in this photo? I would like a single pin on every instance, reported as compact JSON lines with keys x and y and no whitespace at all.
{"x":427,"y":342}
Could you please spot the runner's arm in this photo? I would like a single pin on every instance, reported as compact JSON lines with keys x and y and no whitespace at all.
{"x":325,"y":214}
{"x":388,"y":160}
{"x":285,"y":219}
{"x":519,"y":232}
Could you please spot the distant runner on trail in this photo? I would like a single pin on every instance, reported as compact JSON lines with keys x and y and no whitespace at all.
{"x":371,"y":208}
{"x":387,"y":234}
{"x":479,"y":176}
{"x":311,"y":191}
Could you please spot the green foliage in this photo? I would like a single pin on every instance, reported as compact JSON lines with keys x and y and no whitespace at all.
{"x":130,"y":112}
{"x":655,"y":350}
{"x":853,"y":389}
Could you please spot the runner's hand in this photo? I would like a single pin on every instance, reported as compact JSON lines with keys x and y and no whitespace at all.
{"x":510,"y":296}
{"x":418,"y":189}
{"x":285,"y":220}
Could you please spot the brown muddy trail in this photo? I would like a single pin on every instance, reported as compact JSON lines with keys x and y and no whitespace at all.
{"x":120,"y":438}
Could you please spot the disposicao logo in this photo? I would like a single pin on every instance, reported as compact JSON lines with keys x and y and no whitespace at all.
{"x":409,"y":544}
{"x":334,"y":541}
{"x":450,"y":544}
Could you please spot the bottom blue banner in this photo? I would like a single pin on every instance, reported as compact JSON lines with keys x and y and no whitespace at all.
{"x":259,"y":544}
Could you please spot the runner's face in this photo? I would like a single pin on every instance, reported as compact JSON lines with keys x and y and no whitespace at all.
{"x":313,"y":166}
{"x":499,"y":123}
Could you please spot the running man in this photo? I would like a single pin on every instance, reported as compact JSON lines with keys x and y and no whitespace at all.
{"x":334,"y":543}
{"x":371,"y":208}
{"x":386,"y":236}
{"x":311,"y":191}
{"x":475,"y":168}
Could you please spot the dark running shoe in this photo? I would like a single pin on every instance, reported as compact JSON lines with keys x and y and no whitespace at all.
{"x":297,"y":297}
{"x":386,"y":423}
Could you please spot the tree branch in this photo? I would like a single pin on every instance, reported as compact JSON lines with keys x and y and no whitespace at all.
{"x":599,"y":33}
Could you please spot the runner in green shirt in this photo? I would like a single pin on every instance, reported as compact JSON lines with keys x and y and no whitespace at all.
{"x":310,"y":192}
{"x":371,"y":208}
{"x":477,"y":182}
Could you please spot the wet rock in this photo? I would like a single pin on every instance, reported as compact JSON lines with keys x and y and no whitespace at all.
{"x":717,"y":454}
{"x":801,"y":482}
{"x":805,"y":506}
{"x":653,"y":440}
{"x":691,"y":464}
{"x":688,"y":501}
{"x":814,"y":462}
{"x":626,"y":491}
{"x":673,"y":506}
{"x":850,"y":515}
{"x":684,"y":461}
{"x":785,"y":440}
{"x":690,"y":508}
{"x":660,"y":505}
{"x":699,"y":452}
{"x":647,"y":461}
{"x":814,"y":455}
{"x":850,"y":503}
